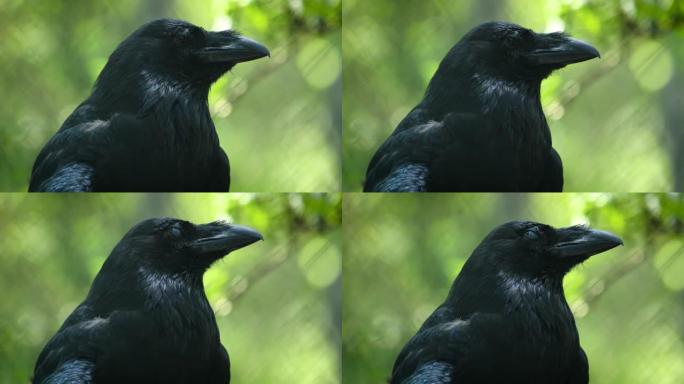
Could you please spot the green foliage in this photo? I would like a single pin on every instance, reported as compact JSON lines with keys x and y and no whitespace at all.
{"x":278,"y":119}
{"x":619,"y":19}
{"x":276,"y":17}
{"x":276,"y":302}
{"x":607,"y":116}
{"x":403,"y":251}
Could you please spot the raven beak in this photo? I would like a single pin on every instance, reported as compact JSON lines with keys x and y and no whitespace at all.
{"x":233,"y":50}
{"x":223,"y":238}
{"x":560,"y":50}
{"x":583,"y":242}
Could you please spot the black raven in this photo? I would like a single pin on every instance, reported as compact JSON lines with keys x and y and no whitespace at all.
{"x":146,"y":318}
{"x":146,"y":126}
{"x":506,"y":319}
{"x":480,"y":126}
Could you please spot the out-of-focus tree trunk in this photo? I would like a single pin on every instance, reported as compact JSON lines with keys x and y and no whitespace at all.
{"x":485,"y":10}
{"x":156,"y":8}
{"x":673,"y":110}
{"x":514,"y":204}
{"x":334,"y":135}
{"x":156,"y":205}
{"x":334,"y":293}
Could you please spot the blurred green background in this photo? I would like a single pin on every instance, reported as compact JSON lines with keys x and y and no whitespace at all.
{"x":402,"y":252}
{"x":277,"y":302}
{"x":279,"y":119}
{"x":616,"y":122}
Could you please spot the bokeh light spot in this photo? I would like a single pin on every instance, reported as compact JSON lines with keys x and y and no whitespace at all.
{"x":669,"y":261}
{"x":651,"y":65}
{"x":319,"y":62}
{"x":320,"y":261}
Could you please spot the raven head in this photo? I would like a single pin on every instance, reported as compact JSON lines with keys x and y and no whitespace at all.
{"x":509,"y":51}
{"x":176,"y":51}
{"x":169,"y":245}
{"x":538,"y":250}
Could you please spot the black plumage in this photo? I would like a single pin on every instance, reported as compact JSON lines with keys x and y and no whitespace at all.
{"x":146,"y":126}
{"x":146,"y":318}
{"x":505,"y":318}
{"x":480,"y":126}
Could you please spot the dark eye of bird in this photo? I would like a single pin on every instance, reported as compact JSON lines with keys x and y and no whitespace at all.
{"x":175,"y":230}
{"x":532,"y":234}
{"x":184,"y":35}
{"x":198,"y":33}
{"x":195,"y":35}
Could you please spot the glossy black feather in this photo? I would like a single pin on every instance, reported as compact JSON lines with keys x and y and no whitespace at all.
{"x":146,"y":126}
{"x":506,"y":318}
{"x":146,"y":318}
{"x":480,"y":125}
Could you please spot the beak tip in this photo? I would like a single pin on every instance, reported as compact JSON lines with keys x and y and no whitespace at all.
{"x":592,"y":51}
{"x":257,"y":47}
{"x":256,"y":235}
{"x":247,"y":234}
{"x":597,"y":54}
{"x":610,"y":237}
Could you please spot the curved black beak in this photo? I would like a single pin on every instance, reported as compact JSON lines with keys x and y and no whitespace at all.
{"x":227,"y":47}
{"x":558,"y":50}
{"x":223,"y":238}
{"x":582,"y":242}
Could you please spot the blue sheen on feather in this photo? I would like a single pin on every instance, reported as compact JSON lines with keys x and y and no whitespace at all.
{"x":405,"y":178}
{"x":72,"y":372}
{"x":76,"y":177}
{"x":434,"y":372}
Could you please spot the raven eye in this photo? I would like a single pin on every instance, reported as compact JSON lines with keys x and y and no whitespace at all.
{"x":184,"y":35}
{"x":175,"y":230}
{"x":532,"y":234}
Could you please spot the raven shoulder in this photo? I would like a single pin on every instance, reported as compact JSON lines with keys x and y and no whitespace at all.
{"x":445,"y":351}
{"x":421,"y":150}
{"x":86,"y":340}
